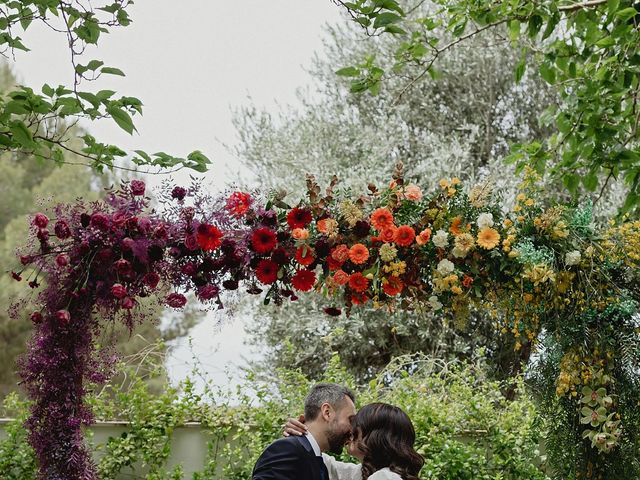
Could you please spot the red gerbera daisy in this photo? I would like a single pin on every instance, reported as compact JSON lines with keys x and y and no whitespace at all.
{"x":359,"y":298}
{"x":299,"y":218}
{"x":404,"y":236}
{"x":208,"y":237}
{"x":267,"y":271}
{"x":303,"y":280}
{"x":333,"y":264}
{"x":358,"y":282}
{"x":304,"y":255}
{"x":263,"y":240}
{"x":393,"y":286}
{"x":238,"y":203}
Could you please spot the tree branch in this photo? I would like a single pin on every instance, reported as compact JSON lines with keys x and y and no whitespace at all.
{"x":582,"y":5}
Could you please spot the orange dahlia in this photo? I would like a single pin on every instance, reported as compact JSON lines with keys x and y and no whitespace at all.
{"x":488,"y":238}
{"x":404,"y":236}
{"x":358,"y":254}
{"x":388,"y":234}
{"x":382,"y":218}
{"x":340,"y":253}
{"x":467,"y":281}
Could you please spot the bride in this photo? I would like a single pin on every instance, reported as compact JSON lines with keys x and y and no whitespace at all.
{"x":383,"y":440}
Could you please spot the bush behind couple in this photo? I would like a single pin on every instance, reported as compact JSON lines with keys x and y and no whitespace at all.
{"x":380,"y":435}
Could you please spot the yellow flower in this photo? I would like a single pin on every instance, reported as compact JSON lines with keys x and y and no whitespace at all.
{"x":521,"y":197}
{"x":451,"y":191}
{"x":444,"y":183}
{"x":488,"y":238}
{"x":456,"y":289}
{"x":530,"y":202}
{"x":455,"y":181}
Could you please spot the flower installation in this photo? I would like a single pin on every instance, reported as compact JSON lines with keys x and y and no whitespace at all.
{"x":542,"y":272}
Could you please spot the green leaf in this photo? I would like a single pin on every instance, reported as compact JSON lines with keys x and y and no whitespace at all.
{"x":571,"y":181}
{"x":112,"y":71}
{"x":547,"y":73}
{"x":520,"y":69}
{"x":122,"y":118}
{"x":514,"y":30}
{"x":21,"y":133}
{"x":386,"y":18}
{"x":606,"y":42}
{"x":590,"y":182}
{"x":348,"y":72}
{"x":626,"y":13}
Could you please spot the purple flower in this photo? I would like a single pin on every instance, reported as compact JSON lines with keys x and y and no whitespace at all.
{"x":41,"y":220}
{"x":62,"y":260}
{"x":178,"y":193}
{"x":137,"y":187}
{"x":176,"y":300}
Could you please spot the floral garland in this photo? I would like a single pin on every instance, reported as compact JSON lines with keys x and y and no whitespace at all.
{"x":534,"y":269}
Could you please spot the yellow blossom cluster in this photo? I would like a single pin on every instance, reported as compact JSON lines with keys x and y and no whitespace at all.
{"x":388,"y":252}
{"x":552,"y":223}
{"x":396,"y":269}
{"x":445,"y":284}
{"x":539,"y":273}
{"x":449,"y":185}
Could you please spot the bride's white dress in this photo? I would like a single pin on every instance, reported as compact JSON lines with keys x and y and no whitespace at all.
{"x":351,"y":471}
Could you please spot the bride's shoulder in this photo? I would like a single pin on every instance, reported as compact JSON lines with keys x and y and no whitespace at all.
{"x":385,"y":474}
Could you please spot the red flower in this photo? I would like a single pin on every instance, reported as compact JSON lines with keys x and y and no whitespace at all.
{"x":393,"y":286}
{"x":62,"y":229}
{"x":263,"y":240}
{"x":62,"y":260}
{"x":207,"y":292}
{"x":359,"y":299}
{"x":358,"y":282}
{"x":137,"y":187}
{"x":208,"y":237}
{"x":299,"y":218}
{"x":238,"y":203}
{"x":41,"y":220}
{"x":340,"y":253}
{"x":303,"y":280}
{"x":404,"y":236}
{"x":36,"y":317}
{"x":304,"y":255}
{"x":267,"y":271}
{"x":63,"y":317}
{"x":118,"y":290}
{"x":127,"y":303}
{"x":151,"y":280}
{"x":333,"y":264}
{"x":176,"y":300}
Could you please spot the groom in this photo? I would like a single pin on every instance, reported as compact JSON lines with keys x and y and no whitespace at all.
{"x":328,"y":410}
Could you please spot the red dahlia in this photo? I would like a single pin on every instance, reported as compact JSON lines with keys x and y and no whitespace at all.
{"x":208,"y":237}
{"x":267,"y":271}
{"x":263,"y":240}
{"x":303,"y":280}
{"x":299,"y":218}
{"x":238,"y":203}
{"x":358,"y":282}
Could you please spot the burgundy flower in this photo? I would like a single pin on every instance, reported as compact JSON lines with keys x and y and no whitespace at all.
{"x":189,"y":269}
{"x":99,"y":221}
{"x":263,"y":240}
{"x":190,"y":242}
{"x":85,"y":220}
{"x":209,"y":237}
{"x":43,"y":234}
{"x":132,"y":223}
{"x":26,"y":259}
{"x":267,"y":271}
{"x":63,"y":317}
{"x":118,"y":290}
{"x":137,"y":187}
{"x":123,"y":267}
{"x":178,"y":193}
{"x":303,"y":280}
{"x":160,"y":232}
{"x":230,"y":284}
{"x":208,"y":292}
{"x":151,"y":280}
{"x":280,"y":256}
{"x":176,"y":300}
{"x":362,"y":229}
{"x":41,"y":220}
{"x":62,"y":230}
{"x":299,"y":218}
{"x":36,"y":317}
{"x":127,"y":303}
{"x":144,"y":225}
{"x":268,"y":218}
{"x":105,"y":255}
{"x":333,"y":311}
{"x":156,"y":253}
{"x":62,"y":260}
{"x":228,"y":247}
{"x":16,"y":276}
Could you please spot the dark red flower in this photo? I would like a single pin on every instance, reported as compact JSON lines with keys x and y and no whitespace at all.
{"x":190,"y":242}
{"x":230,"y":284}
{"x":160,"y":232}
{"x":176,"y":300}
{"x":118,"y":290}
{"x":132,"y":223}
{"x":393,"y":286}
{"x":36,"y":317}
{"x":62,"y":230}
{"x":333,"y":311}
{"x":127,"y":303}
{"x":209,"y":237}
{"x":358,"y":282}
{"x":280,"y":256}
{"x":99,"y":221}
{"x":189,"y":269}
{"x":333,"y":264}
{"x":361,"y":229}
{"x":63,"y":317}
{"x":26,"y":259}
{"x":137,"y":187}
{"x":178,"y":193}
{"x":16,"y":276}
{"x":359,"y":298}
{"x":208,"y":292}
{"x":151,"y":280}
{"x":41,"y":220}
{"x":43,"y":234}
{"x":303,"y":280}
{"x":267,"y":271}
{"x":123,"y":267}
{"x":238,"y":203}
{"x":299,"y":218}
{"x":263,"y":240}
{"x":62,"y":260}
{"x":304,"y":255}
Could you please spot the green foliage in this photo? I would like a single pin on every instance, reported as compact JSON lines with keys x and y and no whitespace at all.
{"x":465,"y":428}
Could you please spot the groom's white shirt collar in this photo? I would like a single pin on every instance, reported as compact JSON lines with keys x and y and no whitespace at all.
{"x":314,"y":444}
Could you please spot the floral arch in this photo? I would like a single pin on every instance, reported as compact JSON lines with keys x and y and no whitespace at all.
{"x":543,"y":272}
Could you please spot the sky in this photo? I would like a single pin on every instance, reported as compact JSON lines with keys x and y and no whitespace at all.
{"x":191,"y":65}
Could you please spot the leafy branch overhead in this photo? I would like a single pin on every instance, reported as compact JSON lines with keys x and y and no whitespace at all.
{"x":587,"y":50}
{"x":42,"y":124}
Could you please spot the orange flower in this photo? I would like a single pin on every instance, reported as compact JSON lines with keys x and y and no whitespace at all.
{"x":467,"y":281}
{"x":327,"y":225}
{"x":455,"y":225}
{"x":358,"y":254}
{"x":340,"y":253}
{"x":359,"y":299}
{"x":358,"y":282}
{"x":304,"y":255}
{"x":424,"y":237}
{"x":388,"y":234}
{"x":381,"y":218}
{"x":392,"y":286}
{"x":404,"y":236}
{"x":488,"y":238}
{"x":300,"y":233}
{"x":341,"y":277}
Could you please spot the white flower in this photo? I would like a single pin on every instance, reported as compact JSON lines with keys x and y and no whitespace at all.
{"x":445,"y":267}
{"x":441,"y":239}
{"x":435,"y":303}
{"x":459,"y":252}
{"x":572,"y":258}
{"x":485,"y":220}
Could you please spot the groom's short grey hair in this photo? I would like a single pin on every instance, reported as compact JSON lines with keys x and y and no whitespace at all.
{"x":330,"y":393}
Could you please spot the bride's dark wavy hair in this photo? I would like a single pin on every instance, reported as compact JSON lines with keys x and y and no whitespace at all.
{"x":386,"y":436}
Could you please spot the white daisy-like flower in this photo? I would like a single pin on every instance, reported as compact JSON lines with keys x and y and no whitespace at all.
{"x":441,"y":239}
{"x":445,"y":267}
{"x":485,"y":220}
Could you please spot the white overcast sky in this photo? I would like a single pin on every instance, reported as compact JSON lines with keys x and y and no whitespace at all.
{"x":191,"y":62}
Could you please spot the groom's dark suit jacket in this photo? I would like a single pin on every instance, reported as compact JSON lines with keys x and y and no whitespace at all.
{"x":290,"y":458}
